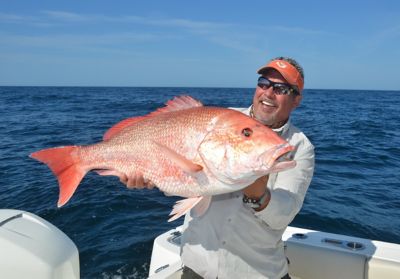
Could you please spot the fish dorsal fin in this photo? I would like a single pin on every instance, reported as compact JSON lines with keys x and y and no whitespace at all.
{"x":177,"y":103}
{"x":121,"y":125}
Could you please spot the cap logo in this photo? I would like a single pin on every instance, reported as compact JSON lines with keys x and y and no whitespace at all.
{"x":281,"y":64}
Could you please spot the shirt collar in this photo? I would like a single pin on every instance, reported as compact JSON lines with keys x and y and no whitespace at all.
{"x":282,"y":129}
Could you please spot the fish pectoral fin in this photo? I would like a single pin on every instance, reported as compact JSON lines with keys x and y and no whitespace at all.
{"x":181,"y":207}
{"x":185,"y":164}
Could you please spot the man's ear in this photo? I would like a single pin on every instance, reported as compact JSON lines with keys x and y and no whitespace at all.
{"x":297,"y":100}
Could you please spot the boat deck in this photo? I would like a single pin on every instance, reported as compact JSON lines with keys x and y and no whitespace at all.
{"x":312,"y":255}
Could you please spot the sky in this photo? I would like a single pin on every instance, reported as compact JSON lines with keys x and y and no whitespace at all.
{"x":209,"y":43}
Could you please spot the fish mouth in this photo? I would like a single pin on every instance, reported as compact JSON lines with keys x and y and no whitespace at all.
{"x":277,"y":158}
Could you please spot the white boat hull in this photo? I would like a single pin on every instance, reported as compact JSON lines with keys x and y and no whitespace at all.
{"x":312,"y":255}
{"x":31,"y":247}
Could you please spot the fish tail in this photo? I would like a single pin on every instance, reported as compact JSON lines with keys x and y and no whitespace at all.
{"x":66,"y":166}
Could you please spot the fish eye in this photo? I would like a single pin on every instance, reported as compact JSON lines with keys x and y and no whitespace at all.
{"x":247,"y":132}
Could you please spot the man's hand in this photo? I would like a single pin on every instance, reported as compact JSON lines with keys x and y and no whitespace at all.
{"x":136,"y":181}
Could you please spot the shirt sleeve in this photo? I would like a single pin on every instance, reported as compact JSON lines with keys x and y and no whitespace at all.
{"x":288,"y":190}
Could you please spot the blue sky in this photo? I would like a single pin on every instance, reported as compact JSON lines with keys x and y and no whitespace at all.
{"x":341,"y":44}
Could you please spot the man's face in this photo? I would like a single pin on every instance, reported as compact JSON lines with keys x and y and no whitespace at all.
{"x":271,"y":109}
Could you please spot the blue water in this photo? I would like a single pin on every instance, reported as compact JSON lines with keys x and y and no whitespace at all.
{"x":355,"y":190}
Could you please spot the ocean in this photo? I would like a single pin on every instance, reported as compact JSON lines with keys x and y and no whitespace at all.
{"x":355,"y":189}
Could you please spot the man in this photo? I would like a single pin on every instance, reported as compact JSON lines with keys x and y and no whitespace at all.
{"x":240,"y":235}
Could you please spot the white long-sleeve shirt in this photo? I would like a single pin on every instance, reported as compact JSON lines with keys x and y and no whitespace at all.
{"x":231,"y":240}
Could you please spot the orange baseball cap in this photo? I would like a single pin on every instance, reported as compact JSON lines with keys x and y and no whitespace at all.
{"x":287,"y":70}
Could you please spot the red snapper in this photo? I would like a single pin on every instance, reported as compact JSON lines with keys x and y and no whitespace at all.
{"x":185,"y":149}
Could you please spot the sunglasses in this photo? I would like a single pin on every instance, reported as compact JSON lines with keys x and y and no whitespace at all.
{"x":279,"y":88}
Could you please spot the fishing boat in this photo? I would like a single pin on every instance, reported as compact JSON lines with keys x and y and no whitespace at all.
{"x":312,"y":255}
{"x":31,"y":247}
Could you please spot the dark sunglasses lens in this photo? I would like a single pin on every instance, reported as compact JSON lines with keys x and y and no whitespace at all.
{"x":281,"y":89}
{"x":263,"y":82}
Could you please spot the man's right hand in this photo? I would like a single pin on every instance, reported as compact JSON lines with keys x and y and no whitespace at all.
{"x":136,"y":181}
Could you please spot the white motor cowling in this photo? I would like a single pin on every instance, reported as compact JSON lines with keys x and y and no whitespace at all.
{"x":31,"y":247}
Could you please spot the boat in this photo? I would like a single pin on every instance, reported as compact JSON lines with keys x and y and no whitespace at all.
{"x":31,"y":247}
{"x":312,"y":254}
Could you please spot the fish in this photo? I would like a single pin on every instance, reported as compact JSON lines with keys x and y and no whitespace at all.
{"x":185,"y":148}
